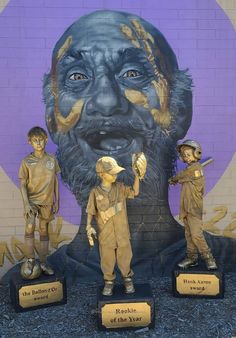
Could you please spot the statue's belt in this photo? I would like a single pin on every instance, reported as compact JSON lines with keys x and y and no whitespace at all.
{"x":110,"y":212}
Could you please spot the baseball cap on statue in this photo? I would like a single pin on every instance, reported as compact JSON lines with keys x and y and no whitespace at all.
{"x":108,"y":165}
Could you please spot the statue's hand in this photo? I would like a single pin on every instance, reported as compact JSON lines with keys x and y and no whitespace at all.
{"x":28,"y":210}
{"x":90,"y":233}
{"x":139,"y":165}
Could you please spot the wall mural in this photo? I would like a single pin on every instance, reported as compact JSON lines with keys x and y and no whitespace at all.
{"x":115,"y":94}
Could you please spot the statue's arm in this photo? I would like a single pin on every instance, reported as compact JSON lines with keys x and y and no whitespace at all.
{"x":136,"y":185}
{"x":90,"y":230}
{"x":23,"y":189}
{"x":183,"y":176}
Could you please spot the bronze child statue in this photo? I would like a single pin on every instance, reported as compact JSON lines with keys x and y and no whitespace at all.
{"x":40,"y":194}
{"x":191,"y":205}
{"x":107,"y":203}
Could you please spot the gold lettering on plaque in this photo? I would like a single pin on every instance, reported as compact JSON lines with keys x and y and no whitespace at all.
{"x":126,"y":314}
{"x":40,"y":294}
{"x":198,"y":284}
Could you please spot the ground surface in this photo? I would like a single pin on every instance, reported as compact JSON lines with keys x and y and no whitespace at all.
{"x":175,"y":317}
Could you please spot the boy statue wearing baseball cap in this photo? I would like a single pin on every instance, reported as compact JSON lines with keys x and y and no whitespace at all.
{"x":191,"y":205}
{"x":40,"y":194}
{"x":107,"y":204}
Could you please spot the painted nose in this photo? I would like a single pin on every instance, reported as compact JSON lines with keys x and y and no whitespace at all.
{"x":107,"y":98}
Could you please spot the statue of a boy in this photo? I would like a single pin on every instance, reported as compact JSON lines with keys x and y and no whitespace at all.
{"x":107,"y":203}
{"x":191,"y":205}
{"x":40,"y":194}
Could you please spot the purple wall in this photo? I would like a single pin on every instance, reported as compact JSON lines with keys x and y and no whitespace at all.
{"x":199,"y":32}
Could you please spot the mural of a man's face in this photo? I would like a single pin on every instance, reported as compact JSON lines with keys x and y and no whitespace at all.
{"x":115,"y":89}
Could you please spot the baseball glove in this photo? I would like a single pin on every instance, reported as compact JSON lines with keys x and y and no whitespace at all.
{"x":139,"y":165}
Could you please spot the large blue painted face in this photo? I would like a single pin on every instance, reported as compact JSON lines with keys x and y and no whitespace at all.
{"x":109,"y":89}
{"x":99,"y":69}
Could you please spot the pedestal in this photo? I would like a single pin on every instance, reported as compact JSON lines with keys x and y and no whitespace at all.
{"x":194,"y":283}
{"x":122,"y":310}
{"x":34,"y":294}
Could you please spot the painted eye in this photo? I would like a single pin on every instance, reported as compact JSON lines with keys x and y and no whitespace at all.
{"x":78,"y":77}
{"x":131,"y":73}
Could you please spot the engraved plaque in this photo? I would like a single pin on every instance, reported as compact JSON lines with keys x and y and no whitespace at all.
{"x":125,"y":315}
{"x":41,"y":292}
{"x":123,"y":310}
{"x":198,"y":284}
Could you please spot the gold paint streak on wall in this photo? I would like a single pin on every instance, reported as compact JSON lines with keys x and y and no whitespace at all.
{"x":129,"y":34}
{"x":163,"y":116}
{"x":137,"y":97}
{"x":146,"y":38}
{"x":3,"y":5}
{"x":140,"y":30}
{"x":66,"y":123}
{"x":229,"y":231}
{"x":55,"y":236}
{"x":5,"y":252}
{"x":150,"y":37}
{"x":64,"y":47}
{"x":156,"y":115}
{"x":19,"y":248}
{"x":229,"y":7}
{"x":221,"y":212}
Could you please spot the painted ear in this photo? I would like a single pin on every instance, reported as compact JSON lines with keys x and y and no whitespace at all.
{"x":180,"y":104}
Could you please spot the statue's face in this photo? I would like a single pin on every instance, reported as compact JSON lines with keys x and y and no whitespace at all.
{"x":107,"y":95}
{"x":107,"y":178}
{"x":38,"y":143}
{"x":187,"y":154}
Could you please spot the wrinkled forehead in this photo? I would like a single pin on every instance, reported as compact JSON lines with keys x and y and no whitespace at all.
{"x":105,"y":36}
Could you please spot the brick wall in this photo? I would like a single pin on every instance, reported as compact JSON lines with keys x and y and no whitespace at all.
{"x":204,"y":40}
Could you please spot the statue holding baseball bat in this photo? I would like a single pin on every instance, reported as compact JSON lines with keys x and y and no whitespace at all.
{"x":107,"y":204}
{"x":191,"y":204}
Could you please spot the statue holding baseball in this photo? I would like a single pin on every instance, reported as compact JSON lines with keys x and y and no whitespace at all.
{"x":107,"y":204}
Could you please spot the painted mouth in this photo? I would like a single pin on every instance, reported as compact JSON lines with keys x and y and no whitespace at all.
{"x":109,"y":141}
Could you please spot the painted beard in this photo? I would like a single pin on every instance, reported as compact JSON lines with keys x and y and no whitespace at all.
{"x":80,"y":148}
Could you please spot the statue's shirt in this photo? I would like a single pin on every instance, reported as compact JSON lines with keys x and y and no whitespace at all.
{"x":193,"y":183}
{"x":114,"y":231}
{"x":39,"y":175}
